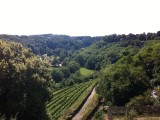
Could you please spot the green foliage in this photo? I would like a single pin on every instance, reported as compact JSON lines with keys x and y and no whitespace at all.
{"x":54,"y":61}
{"x":86,"y":72}
{"x":67,"y":75}
{"x":73,"y":66}
{"x":99,"y":115}
{"x":130,"y":76}
{"x":110,"y":49}
{"x":131,"y":115}
{"x":127,"y":64}
{"x":65,"y":98}
{"x":102,"y":54}
{"x":121,"y":82}
{"x":57,"y":75}
{"x":23,"y":83}
{"x":142,"y":100}
{"x":57,"y":45}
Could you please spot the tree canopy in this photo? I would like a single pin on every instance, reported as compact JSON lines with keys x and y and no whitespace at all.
{"x":23,"y":83}
{"x":130,"y":77}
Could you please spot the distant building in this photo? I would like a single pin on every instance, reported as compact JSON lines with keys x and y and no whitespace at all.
{"x":154,"y":94}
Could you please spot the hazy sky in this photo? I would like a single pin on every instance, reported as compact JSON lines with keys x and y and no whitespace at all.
{"x":79,"y":17}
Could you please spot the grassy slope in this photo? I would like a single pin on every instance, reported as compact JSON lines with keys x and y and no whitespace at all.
{"x":86,"y":72}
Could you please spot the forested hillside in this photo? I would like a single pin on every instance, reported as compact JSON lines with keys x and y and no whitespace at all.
{"x":111,"y":48}
{"x":128,"y":66}
{"x":129,"y":79}
{"x":57,"y":45}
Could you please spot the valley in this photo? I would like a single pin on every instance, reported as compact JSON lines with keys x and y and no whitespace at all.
{"x":60,"y":77}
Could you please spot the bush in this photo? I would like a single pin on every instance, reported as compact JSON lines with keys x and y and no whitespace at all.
{"x":99,"y":115}
{"x":131,"y":115}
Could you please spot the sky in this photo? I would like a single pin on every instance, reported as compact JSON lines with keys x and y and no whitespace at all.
{"x":79,"y":17}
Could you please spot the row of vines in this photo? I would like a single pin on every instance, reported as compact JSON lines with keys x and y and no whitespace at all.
{"x":64,"y":98}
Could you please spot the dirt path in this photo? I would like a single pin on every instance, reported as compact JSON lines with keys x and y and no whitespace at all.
{"x":79,"y":116}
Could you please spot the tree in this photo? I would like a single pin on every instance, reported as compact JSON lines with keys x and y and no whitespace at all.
{"x":142,"y":37}
{"x":158,"y":33}
{"x":23,"y":83}
{"x":121,"y":82}
{"x":73,"y":66}
{"x":142,"y":100}
{"x":149,"y":36}
{"x":113,"y":57}
{"x":80,"y":58}
{"x":65,"y":72}
{"x":57,"y":75}
{"x":55,"y":61}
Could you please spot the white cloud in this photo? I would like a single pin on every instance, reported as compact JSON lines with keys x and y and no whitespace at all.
{"x":79,"y":17}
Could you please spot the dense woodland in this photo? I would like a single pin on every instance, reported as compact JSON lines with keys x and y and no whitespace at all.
{"x":57,"y":45}
{"x":127,"y":66}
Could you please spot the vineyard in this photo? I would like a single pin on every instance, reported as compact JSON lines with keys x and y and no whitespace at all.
{"x":65,"y":98}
